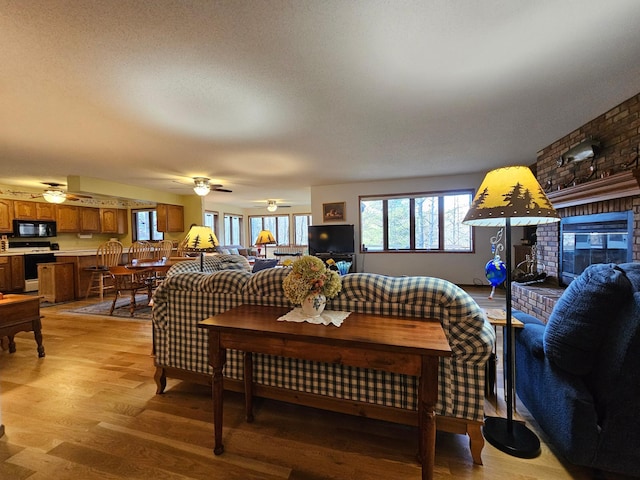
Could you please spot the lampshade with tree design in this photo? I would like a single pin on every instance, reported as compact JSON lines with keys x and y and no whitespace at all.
{"x":265,"y":237}
{"x":200,"y":239}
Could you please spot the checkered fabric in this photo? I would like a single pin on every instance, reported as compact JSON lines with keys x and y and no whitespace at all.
{"x":184,"y":300}
{"x":212,"y":263}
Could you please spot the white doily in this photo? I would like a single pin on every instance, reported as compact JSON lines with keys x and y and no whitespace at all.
{"x":328,"y":317}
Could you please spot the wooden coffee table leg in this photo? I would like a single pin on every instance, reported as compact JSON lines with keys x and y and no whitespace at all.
{"x":427,"y":397}
{"x":248,"y":386}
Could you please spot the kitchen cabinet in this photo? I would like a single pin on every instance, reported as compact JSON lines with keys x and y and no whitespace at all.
{"x":34,"y":210}
{"x":113,"y":220}
{"x":68,"y":219}
{"x":17,"y":273}
{"x":56,"y":281}
{"x":170,"y":218}
{"x":5,"y":274}
{"x":81,"y":276}
{"x":89,"y":220}
{"x":11,"y":273}
{"x":45,"y":211}
{"x":123,"y":221}
{"x":24,"y":210}
{"x":6,"y":216}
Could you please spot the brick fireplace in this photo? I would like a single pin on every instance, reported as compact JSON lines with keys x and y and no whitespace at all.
{"x":610,"y":182}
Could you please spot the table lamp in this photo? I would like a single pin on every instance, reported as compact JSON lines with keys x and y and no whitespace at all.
{"x":510,"y":196}
{"x":201,"y":239}
{"x":265,"y":237}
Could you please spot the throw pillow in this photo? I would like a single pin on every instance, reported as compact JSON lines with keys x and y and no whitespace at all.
{"x":233,"y":251}
{"x":263,"y":263}
{"x":578,"y":322}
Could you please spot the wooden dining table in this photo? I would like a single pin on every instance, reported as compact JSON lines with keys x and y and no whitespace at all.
{"x":161,"y":265}
{"x":158,"y":265}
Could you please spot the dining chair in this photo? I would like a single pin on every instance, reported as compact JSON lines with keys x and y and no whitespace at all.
{"x":163,"y":249}
{"x":132,"y":281}
{"x":109,"y":254}
{"x":140,"y":250}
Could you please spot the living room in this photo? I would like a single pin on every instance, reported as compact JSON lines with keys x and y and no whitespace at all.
{"x":97,"y":376}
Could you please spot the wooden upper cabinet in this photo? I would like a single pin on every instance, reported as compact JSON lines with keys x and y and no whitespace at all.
{"x":170,"y":218}
{"x":113,"y":220}
{"x":123,"y":221}
{"x":6,"y":216}
{"x":68,"y":218}
{"x":89,"y":220}
{"x":25,"y":210}
{"x":109,"y":220}
{"x":45,"y":211}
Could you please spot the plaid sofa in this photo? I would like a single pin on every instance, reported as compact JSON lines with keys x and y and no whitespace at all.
{"x":186,"y":298}
{"x":212,"y":263}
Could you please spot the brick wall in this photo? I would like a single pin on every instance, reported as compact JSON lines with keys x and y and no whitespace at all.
{"x":618,"y":132}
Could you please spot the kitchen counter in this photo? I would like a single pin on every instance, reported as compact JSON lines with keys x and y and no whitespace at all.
{"x":81,"y":260}
{"x":57,"y":253}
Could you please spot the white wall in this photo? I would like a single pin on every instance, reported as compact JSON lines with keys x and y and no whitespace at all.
{"x":459,"y":268}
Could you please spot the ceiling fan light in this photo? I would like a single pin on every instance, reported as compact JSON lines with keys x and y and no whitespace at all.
{"x":201,"y":186}
{"x":271,"y":205}
{"x":54,"y":195}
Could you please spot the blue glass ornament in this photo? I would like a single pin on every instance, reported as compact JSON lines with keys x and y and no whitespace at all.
{"x":496,"y":272}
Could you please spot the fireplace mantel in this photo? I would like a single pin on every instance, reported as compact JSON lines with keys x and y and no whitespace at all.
{"x":619,"y":185}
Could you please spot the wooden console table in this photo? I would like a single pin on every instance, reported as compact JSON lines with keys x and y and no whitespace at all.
{"x":402,"y":345}
{"x":21,"y":313}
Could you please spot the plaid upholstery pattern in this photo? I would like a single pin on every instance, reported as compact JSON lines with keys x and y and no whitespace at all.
{"x":212,"y":263}
{"x":187,"y":298}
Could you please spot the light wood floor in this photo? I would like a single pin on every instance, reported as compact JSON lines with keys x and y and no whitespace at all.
{"x":88,"y":410}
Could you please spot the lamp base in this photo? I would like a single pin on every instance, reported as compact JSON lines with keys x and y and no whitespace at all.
{"x":515,"y":439}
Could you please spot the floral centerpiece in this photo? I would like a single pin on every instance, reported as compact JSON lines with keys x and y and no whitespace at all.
{"x":309,"y":280}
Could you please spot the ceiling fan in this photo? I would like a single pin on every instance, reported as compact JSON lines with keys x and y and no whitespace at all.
{"x":55,"y":194}
{"x":202,"y":186}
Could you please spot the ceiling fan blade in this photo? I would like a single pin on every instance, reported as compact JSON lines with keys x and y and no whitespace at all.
{"x":226,"y":190}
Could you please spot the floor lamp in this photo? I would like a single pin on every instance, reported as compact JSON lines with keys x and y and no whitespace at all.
{"x":510,"y":196}
{"x":200,"y":239}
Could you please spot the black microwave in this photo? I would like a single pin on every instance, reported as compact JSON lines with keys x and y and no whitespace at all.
{"x":33,"y":229}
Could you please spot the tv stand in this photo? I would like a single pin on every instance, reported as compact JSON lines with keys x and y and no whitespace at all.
{"x":347,"y":257}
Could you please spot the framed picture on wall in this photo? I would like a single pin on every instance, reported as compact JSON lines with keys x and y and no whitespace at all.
{"x":333,"y":212}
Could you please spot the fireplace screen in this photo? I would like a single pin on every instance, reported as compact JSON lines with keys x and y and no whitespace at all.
{"x":589,"y":239}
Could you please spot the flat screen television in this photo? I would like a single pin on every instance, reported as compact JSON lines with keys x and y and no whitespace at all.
{"x":331,"y":239}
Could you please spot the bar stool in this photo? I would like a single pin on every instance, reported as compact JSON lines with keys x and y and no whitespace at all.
{"x":109,"y":254}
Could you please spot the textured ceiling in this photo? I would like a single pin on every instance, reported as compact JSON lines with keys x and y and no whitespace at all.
{"x":269,"y":98}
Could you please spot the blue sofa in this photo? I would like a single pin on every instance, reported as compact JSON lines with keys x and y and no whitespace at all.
{"x":579,"y":375}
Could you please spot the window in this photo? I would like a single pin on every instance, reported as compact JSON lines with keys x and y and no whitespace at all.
{"x":211,"y":221}
{"x":278,"y":225}
{"x":145,"y":225}
{"x":420,"y":222}
{"x":301,"y":224}
{"x":232,"y":230}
